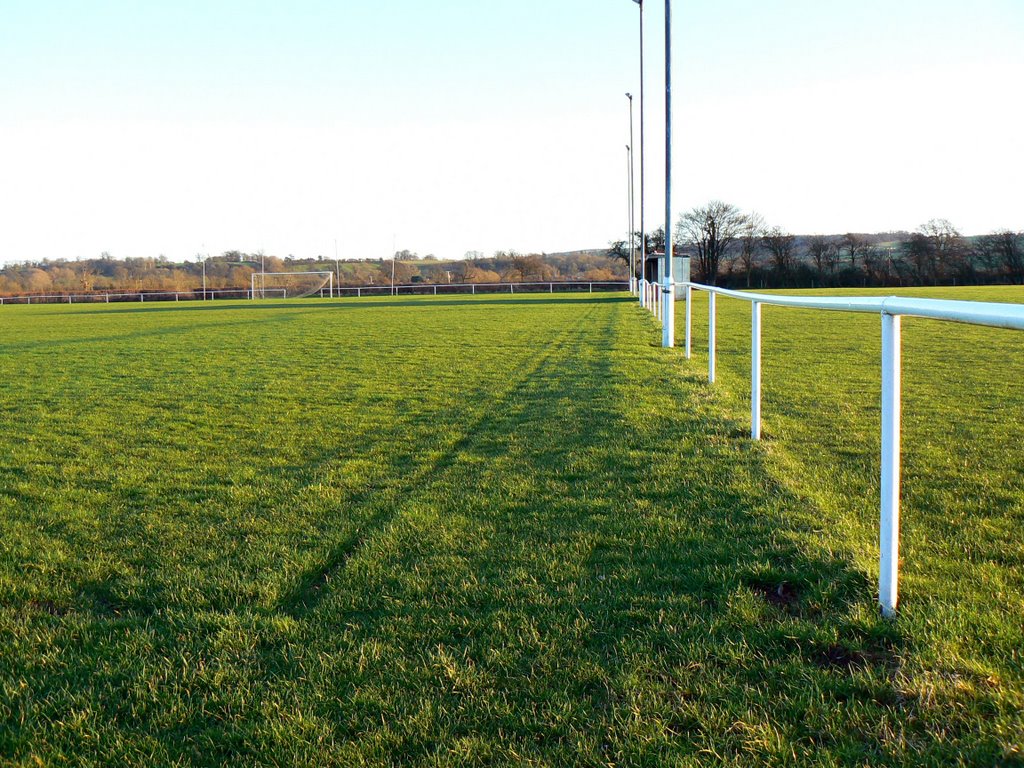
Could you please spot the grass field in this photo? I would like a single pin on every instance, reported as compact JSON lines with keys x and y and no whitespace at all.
{"x":499,"y":531}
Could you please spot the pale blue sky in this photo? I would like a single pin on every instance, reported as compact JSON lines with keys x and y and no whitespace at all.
{"x":144,"y":128}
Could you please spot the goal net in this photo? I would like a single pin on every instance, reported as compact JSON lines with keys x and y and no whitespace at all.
{"x":291,"y":285}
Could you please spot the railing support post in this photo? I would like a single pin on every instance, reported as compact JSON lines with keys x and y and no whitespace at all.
{"x":689,"y":321}
{"x":668,"y":338}
{"x":889,"y":555}
{"x":755,"y":370}
{"x":711,"y":337}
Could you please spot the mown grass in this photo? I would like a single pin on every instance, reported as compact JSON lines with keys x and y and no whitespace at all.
{"x":492,"y":531}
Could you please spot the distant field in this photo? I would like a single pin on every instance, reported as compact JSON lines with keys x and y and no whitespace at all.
{"x":499,"y":531}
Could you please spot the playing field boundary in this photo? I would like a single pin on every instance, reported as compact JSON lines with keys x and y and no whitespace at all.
{"x":891,"y":309}
{"x":328,"y":292}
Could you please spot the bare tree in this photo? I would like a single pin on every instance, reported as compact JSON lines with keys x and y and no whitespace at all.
{"x":750,"y":243}
{"x":819,"y":246}
{"x":780,"y":245}
{"x":918,"y":257}
{"x":1003,"y":251}
{"x":618,"y":249}
{"x":946,"y":252}
{"x":711,"y":230}
{"x":856,"y":246}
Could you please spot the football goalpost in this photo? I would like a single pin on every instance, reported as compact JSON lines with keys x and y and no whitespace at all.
{"x":291,"y":285}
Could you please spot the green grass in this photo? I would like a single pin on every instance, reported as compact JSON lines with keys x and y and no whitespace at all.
{"x":498,"y":531}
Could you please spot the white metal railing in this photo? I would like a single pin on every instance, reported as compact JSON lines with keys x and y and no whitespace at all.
{"x":140,"y":296}
{"x":891,"y":309}
{"x":334,"y":291}
{"x":436,"y":289}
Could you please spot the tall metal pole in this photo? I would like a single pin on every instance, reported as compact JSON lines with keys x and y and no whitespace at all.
{"x":632,"y":200}
{"x":394,"y":258}
{"x":629,"y":208}
{"x":668,"y":312}
{"x":643,"y":230}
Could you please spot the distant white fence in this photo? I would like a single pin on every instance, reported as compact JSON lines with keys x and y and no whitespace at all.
{"x":891,"y":309}
{"x":139,"y":296}
{"x":432,"y":289}
{"x":424,"y":289}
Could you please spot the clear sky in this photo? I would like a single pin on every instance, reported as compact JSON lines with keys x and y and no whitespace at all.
{"x":144,"y":128}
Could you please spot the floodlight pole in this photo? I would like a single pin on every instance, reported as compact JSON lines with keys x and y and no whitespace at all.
{"x":394,"y":258}
{"x":632,"y":201}
{"x":629,"y":208}
{"x":668,"y":311}
{"x":643,"y":235}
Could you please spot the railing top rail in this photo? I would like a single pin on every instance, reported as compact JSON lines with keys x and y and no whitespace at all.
{"x":994,"y":314}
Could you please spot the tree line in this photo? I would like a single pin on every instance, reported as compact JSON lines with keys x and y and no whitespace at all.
{"x":234,"y":269}
{"x":728,"y":246}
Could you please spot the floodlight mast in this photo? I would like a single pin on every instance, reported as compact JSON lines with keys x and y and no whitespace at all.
{"x":668,"y":320}
{"x":632,"y":201}
{"x":643,"y":236}
{"x":629,"y":209}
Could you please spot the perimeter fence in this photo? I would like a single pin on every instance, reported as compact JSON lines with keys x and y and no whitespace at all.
{"x":891,"y":309}
{"x":413,"y":289}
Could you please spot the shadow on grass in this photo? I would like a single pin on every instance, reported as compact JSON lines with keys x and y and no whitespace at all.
{"x":636,"y":598}
{"x":371,"y":302}
{"x":309,"y":587}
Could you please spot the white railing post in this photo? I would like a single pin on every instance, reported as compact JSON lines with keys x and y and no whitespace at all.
{"x":889,"y":556}
{"x":755,"y":370}
{"x":711,"y":336}
{"x":689,"y":321}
